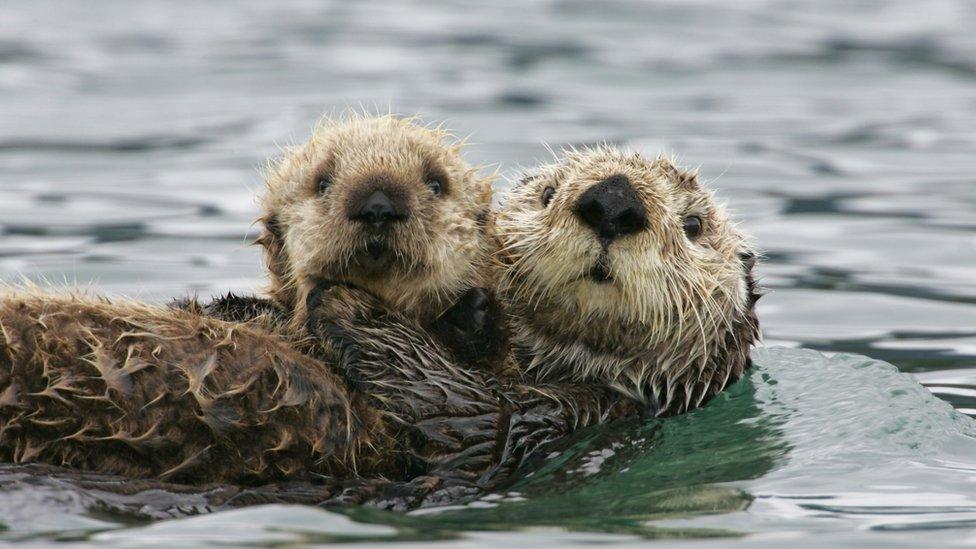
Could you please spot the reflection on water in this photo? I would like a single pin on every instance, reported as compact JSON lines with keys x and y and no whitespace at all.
{"x":841,"y":133}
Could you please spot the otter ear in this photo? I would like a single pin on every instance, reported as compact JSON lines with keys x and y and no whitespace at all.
{"x":272,"y":231}
{"x":688,"y":179}
{"x":685,"y":179}
{"x":748,"y":258}
{"x":275,"y":255}
{"x":484,"y":191}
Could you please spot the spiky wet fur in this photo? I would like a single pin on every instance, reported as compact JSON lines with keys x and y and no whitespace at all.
{"x":155,"y":393}
{"x":464,"y":424}
{"x":677,"y":322}
{"x":149,"y":392}
{"x":442,"y":250}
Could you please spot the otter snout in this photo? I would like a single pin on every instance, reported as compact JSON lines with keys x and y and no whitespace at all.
{"x":612,"y":209}
{"x":378,"y":210}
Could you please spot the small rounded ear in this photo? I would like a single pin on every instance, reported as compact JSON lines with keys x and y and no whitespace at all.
{"x":276,"y":259}
{"x":484,"y":190}
{"x":748,"y":259}
{"x":687,"y":179}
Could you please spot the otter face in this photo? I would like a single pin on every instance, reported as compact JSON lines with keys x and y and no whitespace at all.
{"x":626,"y":271}
{"x":380,"y":203}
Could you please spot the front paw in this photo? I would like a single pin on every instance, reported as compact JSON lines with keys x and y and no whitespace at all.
{"x":331,"y":302}
{"x":467,"y":319}
{"x":471,"y":327}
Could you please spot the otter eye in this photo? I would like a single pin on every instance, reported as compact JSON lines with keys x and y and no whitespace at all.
{"x":547,"y":195}
{"x":323,"y":184}
{"x":693,"y":226}
{"x":436,"y":186}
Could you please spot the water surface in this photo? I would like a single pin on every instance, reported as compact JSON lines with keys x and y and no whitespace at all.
{"x":841,"y":133}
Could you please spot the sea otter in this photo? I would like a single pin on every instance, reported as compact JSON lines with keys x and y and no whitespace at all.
{"x":391,"y":207}
{"x":379,"y":202}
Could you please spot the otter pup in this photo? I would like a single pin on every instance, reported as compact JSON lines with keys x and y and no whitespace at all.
{"x":391,"y":207}
{"x":625,"y":271}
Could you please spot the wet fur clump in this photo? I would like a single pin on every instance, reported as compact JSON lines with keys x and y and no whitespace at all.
{"x":662,"y":316}
{"x":149,"y":392}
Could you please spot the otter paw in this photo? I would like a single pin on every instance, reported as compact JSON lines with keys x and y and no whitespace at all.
{"x":470,"y":326}
{"x":336,"y":302}
{"x":468,"y":317}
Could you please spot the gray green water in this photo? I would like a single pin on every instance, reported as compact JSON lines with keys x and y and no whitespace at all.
{"x":841,"y":133}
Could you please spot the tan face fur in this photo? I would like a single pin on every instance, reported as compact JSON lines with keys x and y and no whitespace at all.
{"x":418,"y":264}
{"x":662,"y":316}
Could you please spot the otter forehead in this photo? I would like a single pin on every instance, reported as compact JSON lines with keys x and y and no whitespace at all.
{"x":359,"y":148}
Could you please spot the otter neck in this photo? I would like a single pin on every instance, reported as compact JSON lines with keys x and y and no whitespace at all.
{"x":668,"y":373}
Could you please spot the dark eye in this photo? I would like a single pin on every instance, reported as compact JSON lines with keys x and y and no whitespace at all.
{"x":436,"y":186}
{"x":547,"y":195}
{"x":693,"y":226}
{"x":323,"y":184}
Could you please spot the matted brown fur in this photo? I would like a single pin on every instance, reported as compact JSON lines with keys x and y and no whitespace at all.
{"x":440,"y":251}
{"x":675,"y":323}
{"x":150,"y":392}
{"x":153,"y":393}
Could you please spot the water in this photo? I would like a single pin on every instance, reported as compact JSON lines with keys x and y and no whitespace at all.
{"x":841,"y":134}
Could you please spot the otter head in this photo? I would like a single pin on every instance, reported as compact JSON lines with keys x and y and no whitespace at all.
{"x":380,"y":203}
{"x":625,"y":271}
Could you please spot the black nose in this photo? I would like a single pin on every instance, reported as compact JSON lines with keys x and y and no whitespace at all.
{"x":611,"y":208}
{"x":378,"y":211}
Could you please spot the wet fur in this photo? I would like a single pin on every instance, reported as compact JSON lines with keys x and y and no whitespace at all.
{"x":149,"y":392}
{"x":467,"y":425}
{"x":152,"y":393}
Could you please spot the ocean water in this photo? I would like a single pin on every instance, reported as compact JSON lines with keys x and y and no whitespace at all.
{"x":842,"y":134}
